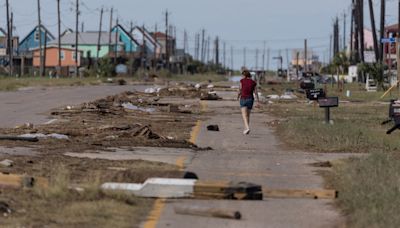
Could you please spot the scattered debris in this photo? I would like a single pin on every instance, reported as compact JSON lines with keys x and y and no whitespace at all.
{"x":19,"y":138}
{"x":7,"y":163}
{"x":210,"y":96}
{"x":130,"y":106}
{"x":43,"y":136}
{"x":273,"y":97}
{"x":190,"y":188}
{"x":326,"y":164}
{"x":5,"y":208}
{"x":20,"y":181}
{"x":303,"y":193}
{"x":208,"y":212}
{"x":213,"y":127}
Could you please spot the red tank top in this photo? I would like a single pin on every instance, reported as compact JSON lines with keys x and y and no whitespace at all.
{"x":248,"y":87}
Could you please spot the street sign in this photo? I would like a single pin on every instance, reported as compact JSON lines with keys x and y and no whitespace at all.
{"x":388,"y":40}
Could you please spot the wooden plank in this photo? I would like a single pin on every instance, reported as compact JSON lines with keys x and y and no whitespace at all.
{"x":208,"y":212}
{"x":19,"y":181}
{"x":212,"y":186}
{"x":210,"y":195}
{"x":296,"y":193}
{"x":10,"y":181}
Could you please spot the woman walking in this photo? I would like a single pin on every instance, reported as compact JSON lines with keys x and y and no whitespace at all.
{"x":247,"y":90}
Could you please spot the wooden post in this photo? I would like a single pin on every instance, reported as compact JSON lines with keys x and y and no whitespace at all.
{"x":59,"y":39}
{"x":99,"y":39}
{"x":44,"y":54}
{"x":76,"y":38}
{"x":39,"y":31}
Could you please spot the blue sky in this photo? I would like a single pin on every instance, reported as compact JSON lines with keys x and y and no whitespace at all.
{"x":283,"y":24}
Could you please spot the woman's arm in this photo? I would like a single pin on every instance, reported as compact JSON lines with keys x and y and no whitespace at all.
{"x":240,"y":91}
{"x":256,"y":94}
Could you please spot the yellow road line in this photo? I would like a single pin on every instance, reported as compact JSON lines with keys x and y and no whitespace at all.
{"x":180,"y":162}
{"x":195,"y":132}
{"x":159,"y":204}
{"x":155,"y":214}
{"x":203,"y":106}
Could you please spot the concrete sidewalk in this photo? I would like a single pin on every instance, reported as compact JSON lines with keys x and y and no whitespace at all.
{"x":254,"y":158}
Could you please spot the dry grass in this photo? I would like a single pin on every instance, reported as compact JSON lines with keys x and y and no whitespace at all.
{"x":357,"y":127}
{"x":60,"y":206}
{"x":369,"y":192}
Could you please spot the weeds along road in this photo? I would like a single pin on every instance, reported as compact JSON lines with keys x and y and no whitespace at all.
{"x":256,"y":158}
{"x":29,"y":105}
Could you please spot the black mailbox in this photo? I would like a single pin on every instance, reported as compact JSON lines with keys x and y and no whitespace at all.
{"x":307,"y":84}
{"x":328,"y":102}
{"x":394,"y":115}
{"x":315,"y":94}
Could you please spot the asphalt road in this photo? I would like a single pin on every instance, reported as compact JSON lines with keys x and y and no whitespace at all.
{"x":30,"y":105}
{"x":255,"y":158}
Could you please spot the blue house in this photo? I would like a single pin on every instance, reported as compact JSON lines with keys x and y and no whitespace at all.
{"x":130,"y":44}
{"x":32,"y":39}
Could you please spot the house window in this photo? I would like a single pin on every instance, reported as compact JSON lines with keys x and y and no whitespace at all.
{"x":62,"y":55}
{"x":37,"y":35}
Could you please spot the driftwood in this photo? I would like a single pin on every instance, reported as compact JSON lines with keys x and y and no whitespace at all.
{"x":19,"y":138}
{"x":208,"y":212}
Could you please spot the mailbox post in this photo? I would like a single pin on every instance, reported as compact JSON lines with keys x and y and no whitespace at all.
{"x":327,"y":103}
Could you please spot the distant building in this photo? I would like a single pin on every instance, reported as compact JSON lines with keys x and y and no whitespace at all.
{"x":31,"y":41}
{"x":162,"y":39}
{"x":313,"y":63}
{"x":67,"y":57}
{"x":152,"y":46}
{"x":88,"y":42}
{"x":130,"y":44}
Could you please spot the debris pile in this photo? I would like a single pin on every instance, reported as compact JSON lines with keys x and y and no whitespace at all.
{"x":126,"y":119}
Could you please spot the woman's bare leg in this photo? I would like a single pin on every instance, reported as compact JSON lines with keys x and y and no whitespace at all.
{"x":245,"y":116}
{"x":248,"y":117}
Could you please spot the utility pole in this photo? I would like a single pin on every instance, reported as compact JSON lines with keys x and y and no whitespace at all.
{"x":398,"y":45}
{"x":231,"y":58}
{"x":361,"y":29}
{"x":111,"y":24}
{"x":82,"y":26}
{"x":297,"y":65}
{"x":244,"y":57}
{"x":330,"y":48}
{"x":372,"y":16}
{"x":166,"y":40}
{"x":208,"y":48}
{"x":44,"y":51}
{"x":116,"y":43}
{"x":356,"y":32}
{"x":263,"y":57}
{"x":268,"y":57}
{"x":224,"y":47}
{"x":382,"y":29}
{"x":202,"y":55}
{"x":8,"y":38}
{"x":344,"y":31}
{"x":76,"y":38}
{"x":131,"y":51}
{"x":256,"y":59}
{"x":11,"y":45}
{"x":39,"y":31}
{"x":217,"y":51}
{"x":99,"y":39}
{"x":59,"y":38}
{"x":305,"y":55}
{"x":144,"y":53}
{"x":352,"y":35}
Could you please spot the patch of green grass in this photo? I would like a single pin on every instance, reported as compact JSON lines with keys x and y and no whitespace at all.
{"x":369,"y":190}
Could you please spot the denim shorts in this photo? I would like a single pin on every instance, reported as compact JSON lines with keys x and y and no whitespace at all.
{"x":247,"y":103}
